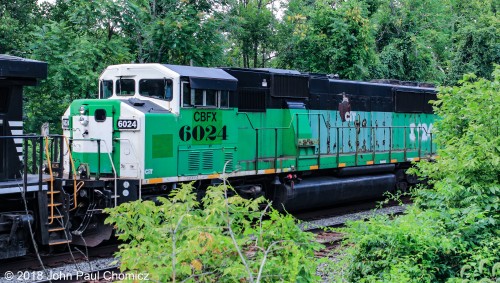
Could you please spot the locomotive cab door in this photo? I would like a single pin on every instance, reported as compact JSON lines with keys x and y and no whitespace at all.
{"x":93,"y":138}
{"x":103,"y":125}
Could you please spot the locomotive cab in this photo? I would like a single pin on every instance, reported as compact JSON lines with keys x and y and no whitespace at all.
{"x":133,"y":142}
{"x":138,"y":109}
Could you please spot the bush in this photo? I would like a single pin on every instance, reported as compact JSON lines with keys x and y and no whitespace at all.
{"x":452,"y":232}
{"x":219,"y":239}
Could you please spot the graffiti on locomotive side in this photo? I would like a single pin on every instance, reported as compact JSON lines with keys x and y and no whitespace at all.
{"x":345,"y":109}
{"x":423,"y":130}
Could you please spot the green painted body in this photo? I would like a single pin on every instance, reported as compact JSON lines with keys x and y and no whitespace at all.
{"x":160,"y":145}
{"x":200,"y":141}
{"x":112,"y":108}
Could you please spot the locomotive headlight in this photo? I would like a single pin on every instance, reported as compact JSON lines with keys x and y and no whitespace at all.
{"x":83,"y":193}
{"x":84,"y":120}
{"x":83,"y":171}
{"x":83,"y":110}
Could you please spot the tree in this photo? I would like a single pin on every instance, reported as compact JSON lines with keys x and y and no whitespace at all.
{"x":413,"y":39}
{"x":17,"y":20}
{"x":336,"y":39}
{"x":476,"y":40}
{"x":176,"y":32}
{"x":251,"y":30}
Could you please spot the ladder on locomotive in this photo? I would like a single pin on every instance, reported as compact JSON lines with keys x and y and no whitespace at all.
{"x":58,"y":204}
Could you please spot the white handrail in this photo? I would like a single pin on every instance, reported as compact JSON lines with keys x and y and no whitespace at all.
{"x":114,"y":169}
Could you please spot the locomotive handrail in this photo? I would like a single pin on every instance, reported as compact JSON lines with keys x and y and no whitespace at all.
{"x":114,"y":171}
{"x":248,"y":118}
{"x":26,"y":138}
{"x":266,"y":128}
{"x":321,"y":116}
{"x":51,"y":181}
{"x":420,"y":128}
{"x":70,"y":157}
{"x":37,"y":141}
{"x":99,"y":162}
{"x":257,"y":139}
{"x":208,"y":148}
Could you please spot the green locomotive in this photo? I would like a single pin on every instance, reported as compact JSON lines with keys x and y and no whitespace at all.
{"x":302,"y":140}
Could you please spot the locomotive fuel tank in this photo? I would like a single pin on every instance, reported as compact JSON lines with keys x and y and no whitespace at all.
{"x":324,"y":191}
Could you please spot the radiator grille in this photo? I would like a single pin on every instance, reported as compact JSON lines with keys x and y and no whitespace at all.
{"x":228,"y":156}
{"x":194,"y":161}
{"x":207,"y":160}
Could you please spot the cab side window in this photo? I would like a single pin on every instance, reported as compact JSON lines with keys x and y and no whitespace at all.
{"x":186,"y":95}
{"x":224,"y":99}
{"x":156,"y":88}
{"x":198,"y":97}
{"x":204,"y":97}
{"x":210,"y":98}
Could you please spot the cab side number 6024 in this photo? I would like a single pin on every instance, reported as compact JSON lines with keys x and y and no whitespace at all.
{"x":128,"y":124}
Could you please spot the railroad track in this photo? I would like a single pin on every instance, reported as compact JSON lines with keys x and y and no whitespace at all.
{"x":316,"y":221}
{"x":346,"y":210}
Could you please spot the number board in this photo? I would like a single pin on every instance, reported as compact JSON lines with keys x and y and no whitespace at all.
{"x":65,"y":123}
{"x":127,"y":124}
{"x":206,"y":128}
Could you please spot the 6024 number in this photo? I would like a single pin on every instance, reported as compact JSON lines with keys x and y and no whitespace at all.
{"x":127,"y":124}
{"x":201,"y":133}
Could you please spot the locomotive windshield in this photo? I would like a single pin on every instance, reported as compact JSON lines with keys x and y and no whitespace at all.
{"x":106,"y":89}
{"x":156,"y":88}
{"x":125,"y":87}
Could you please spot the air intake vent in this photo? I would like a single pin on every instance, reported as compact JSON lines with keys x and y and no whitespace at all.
{"x":252,"y":99}
{"x":290,"y":86}
{"x":194,"y":161}
{"x":207,"y":160}
{"x":228,"y":156}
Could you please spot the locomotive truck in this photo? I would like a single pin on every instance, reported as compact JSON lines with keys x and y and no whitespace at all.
{"x":302,"y":140}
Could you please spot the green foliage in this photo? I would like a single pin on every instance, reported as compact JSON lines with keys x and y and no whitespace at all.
{"x":17,"y":20}
{"x":252,"y":29}
{"x":218,"y":239}
{"x":335,"y":40}
{"x":415,"y":246}
{"x":412,"y":39}
{"x":452,"y":232}
{"x":476,"y":46}
{"x":175,"y":32}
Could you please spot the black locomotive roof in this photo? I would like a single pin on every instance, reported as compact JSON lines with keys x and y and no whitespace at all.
{"x":17,"y":67}
{"x":397,"y":86}
{"x":335,"y":86}
{"x":206,"y":78}
{"x":271,"y":71}
{"x":279,"y":71}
